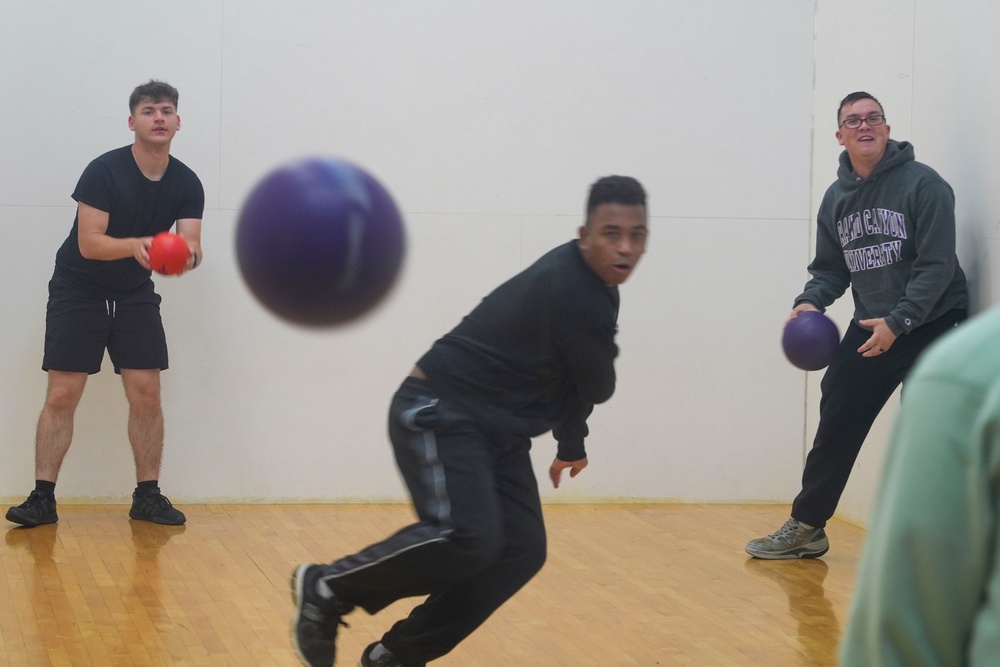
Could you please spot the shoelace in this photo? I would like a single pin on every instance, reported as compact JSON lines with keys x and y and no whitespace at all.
{"x":788,"y":530}
{"x":157,"y":499}
{"x":35,"y":500}
{"x":324,"y":616}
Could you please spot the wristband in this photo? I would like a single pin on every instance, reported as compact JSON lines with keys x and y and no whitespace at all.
{"x":195,"y":265}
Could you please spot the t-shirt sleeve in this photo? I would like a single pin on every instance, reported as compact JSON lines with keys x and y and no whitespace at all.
{"x":95,"y":187}
{"x":193,"y":202}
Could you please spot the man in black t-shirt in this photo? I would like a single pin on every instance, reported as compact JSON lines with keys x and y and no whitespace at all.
{"x":101,"y":297}
{"x":535,"y":355}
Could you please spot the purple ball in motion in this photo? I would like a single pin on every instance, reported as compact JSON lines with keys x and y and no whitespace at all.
{"x":810,"y":340}
{"x":319,"y":241}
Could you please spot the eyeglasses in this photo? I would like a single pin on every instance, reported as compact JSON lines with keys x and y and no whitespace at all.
{"x":855,"y":123}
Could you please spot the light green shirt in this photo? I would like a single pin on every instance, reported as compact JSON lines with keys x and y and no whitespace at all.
{"x":928,"y":589}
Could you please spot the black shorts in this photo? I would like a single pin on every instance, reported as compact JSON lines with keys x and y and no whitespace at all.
{"x":80,"y":326}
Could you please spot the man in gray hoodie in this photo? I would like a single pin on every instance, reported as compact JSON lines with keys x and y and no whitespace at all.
{"x":886,"y":229}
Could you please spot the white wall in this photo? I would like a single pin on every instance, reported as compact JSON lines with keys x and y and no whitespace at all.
{"x":487,"y":124}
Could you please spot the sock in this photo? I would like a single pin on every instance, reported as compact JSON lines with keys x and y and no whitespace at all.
{"x":142,"y":488}
{"x":324,"y":590}
{"x":806,"y":525}
{"x":377,"y":652}
{"x":48,"y":488}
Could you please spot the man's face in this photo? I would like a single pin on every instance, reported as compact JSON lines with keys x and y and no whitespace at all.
{"x":154,"y":122}
{"x":613,"y":239}
{"x":866,"y":143}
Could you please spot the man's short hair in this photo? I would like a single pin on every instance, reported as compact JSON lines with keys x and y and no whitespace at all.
{"x":615,"y":190}
{"x":854,"y":97}
{"x":156,"y":91}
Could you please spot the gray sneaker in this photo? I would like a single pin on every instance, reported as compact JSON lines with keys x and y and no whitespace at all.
{"x":793,"y":540}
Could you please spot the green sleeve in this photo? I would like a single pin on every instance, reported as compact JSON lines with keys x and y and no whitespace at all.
{"x":931,"y":542}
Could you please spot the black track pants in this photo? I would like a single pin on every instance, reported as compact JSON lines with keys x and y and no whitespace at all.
{"x":855,"y":389}
{"x":479,"y":538}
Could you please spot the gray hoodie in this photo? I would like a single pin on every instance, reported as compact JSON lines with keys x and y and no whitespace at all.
{"x":891,"y":237}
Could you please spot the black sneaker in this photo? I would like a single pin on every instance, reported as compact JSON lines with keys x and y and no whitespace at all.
{"x":384,"y":659}
{"x":314,"y":628}
{"x":37,"y":510}
{"x":154,"y":506}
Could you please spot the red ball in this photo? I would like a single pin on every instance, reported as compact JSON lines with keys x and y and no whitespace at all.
{"x":169,"y":253}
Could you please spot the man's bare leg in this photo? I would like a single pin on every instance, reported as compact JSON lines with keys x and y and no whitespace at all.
{"x":53,"y":437}
{"x":55,"y":425}
{"x":145,"y":421}
{"x":145,"y":433}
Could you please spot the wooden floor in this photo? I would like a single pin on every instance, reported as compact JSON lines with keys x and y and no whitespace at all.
{"x":623,"y":585}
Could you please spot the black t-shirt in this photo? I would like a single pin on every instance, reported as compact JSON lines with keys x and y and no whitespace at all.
{"x":136,"y":207}
{"x":537,"y":353}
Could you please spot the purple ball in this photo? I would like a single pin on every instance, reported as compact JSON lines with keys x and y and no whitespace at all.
{"x":319,"y":241}
{"x":810,"y":340}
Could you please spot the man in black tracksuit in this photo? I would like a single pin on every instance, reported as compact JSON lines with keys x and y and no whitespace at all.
{"x":534,"y":356}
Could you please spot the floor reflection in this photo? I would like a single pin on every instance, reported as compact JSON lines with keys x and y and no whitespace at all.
{"x":148,"y":538}
{"x":40,"y":542}
{"x":802,"y":583}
